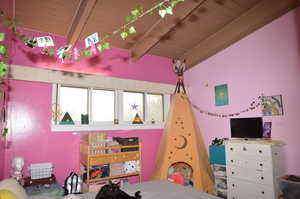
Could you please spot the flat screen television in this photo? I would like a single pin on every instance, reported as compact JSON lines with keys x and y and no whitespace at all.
{"x":246,"y":127}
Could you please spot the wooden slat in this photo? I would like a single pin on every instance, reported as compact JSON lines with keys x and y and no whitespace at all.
{"x":262,"y":13}
{"x":51,"y":16}
{"x":7,"y":8}
{"x":162,"y":27}
{"x":96,"y":81}
{"x":115,"y":177}
{"x":79,"y":20}
{"x":206,"y":20}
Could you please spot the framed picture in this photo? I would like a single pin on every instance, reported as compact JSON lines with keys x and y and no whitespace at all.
{"x":272,"y":105}
{"x":267,"y":129}
{"x":221,"y":95}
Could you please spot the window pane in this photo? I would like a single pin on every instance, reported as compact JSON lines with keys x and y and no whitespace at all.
{"x":103,"y":105}
{"x":73,"y":101}
{"x":155,"y":108}
{"x":133,"y":103}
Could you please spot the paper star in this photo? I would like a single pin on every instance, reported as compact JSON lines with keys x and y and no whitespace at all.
{"x":134,"y":107}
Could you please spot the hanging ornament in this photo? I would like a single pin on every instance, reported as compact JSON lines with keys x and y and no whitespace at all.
{"x":76,"y":54}
{"x":93,"y":49}
{"x":45,"y":51}
{"x":61,"y":52}
{"x":31,"y":43}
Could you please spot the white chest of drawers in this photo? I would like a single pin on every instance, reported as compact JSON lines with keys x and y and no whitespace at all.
{"x":253,"y":168}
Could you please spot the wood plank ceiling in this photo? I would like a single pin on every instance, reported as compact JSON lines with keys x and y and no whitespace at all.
{"x":197,"y":30}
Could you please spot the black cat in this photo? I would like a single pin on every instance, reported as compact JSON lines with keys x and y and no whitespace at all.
{"x":113,"y":191}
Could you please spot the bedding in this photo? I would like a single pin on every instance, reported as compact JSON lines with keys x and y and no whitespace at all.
{"x":160,"y":189}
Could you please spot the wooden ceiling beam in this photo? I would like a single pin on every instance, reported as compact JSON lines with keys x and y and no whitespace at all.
{"x":80,"y":18}
{"x":164,"y":25}
{"x":259,"y":15}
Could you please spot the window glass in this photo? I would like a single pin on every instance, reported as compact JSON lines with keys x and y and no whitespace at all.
{"x":155,"y":108}
{"x":133,"y":103}
{"x":73,"y":101}
{"x":103,"y":103}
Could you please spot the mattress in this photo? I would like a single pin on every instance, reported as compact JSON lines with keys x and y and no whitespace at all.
{"x":152,"y":190}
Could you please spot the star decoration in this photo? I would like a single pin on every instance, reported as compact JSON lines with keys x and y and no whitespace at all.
{"x":134,"y":107}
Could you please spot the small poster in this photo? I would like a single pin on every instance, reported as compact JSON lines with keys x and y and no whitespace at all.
{"x":92,"y":39}
{"x":221,"y":95}
{"x":272,"y":105}
{"x":45,"y":41}
{"x":267,"y":129}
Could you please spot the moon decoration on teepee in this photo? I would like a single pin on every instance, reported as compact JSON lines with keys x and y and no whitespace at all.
{"x":182,"y":148}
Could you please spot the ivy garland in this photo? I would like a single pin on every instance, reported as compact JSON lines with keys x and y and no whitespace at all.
{"x":164,"y":8}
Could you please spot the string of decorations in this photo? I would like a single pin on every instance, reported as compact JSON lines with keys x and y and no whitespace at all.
{"x":164,"y":8}
{"x":253,"y":105}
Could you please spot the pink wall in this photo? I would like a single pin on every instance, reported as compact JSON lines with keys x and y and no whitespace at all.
{"x":266,"y":62}
{"x":112,"y":62}
{"x":31,"y":136}
{"x":30,"y":104}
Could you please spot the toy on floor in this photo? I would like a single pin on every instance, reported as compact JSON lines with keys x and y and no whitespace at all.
{"x":177,"y":178}
{"x":113,"y":191}
{"x":218,"y":142}
{"x":73,"y":184}
{"x":181,"y":173}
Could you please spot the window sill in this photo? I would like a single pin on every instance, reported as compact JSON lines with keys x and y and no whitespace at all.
{"x":60,"y":128}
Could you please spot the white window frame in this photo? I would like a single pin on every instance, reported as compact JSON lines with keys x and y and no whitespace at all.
{"x":122,"y":125}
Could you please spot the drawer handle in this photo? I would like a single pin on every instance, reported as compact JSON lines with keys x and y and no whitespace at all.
{"x":232,"y":185}
{"x":233,"y":197}
{"x":244,"y":149}
{"x":263,"y":192}
{"x":261,"y":164}
{"x":232,"y":172}
{"x":231,"y":149}
{"x":231,"y":160}
{"x":262,"y":178}
{"x":260,"y":151}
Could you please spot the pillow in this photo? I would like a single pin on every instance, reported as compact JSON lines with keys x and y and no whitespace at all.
{"x":13,"y":186}
{"x":6,"y":194}
{"x":70,"y":196}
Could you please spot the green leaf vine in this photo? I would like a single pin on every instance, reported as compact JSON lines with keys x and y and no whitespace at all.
{"x":163,"y":8}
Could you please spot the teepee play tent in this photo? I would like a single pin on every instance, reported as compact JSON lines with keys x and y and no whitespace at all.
{"x":182,"y":144}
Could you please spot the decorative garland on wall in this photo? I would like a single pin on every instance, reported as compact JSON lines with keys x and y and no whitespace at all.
{"x":164,"y":8}
{"x":253,"y":105}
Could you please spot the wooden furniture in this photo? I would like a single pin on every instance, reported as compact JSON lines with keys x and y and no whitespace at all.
{"x":91,"y":156}
{"x":253,"y":168}
{"x":27,"y":181}
{"x":182,"y":142}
